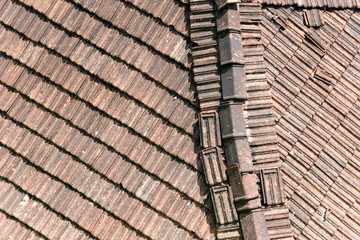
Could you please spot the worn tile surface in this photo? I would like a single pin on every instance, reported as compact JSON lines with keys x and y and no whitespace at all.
{"x":336,"y":4}
{"x":314,"y":78}
{"x":98,"y":122}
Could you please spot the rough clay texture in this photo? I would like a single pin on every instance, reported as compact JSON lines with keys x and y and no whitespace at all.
{"x":98,"y":122}
{"x":314,"y":78}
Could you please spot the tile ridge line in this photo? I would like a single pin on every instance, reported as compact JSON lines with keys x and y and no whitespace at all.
{"x":227,"y":113}
{"x":241,"y":171}
{"x":205,"y":56}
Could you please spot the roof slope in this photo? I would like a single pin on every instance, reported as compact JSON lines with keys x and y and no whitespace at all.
{"x":336,"y":4}
{"x":314,"y":77}
{"x":98,"y":125}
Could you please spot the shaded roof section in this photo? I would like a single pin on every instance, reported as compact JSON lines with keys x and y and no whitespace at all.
{"x":337,"y":4}
{"x":314,"y":78}
{"x":98,"y":122}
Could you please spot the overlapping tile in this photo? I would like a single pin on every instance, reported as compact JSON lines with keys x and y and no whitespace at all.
{"x":61,"y":167}
{"x":96,"y":115}
{"x":332,"y":4}
{"x":12,"y":228}
{"x":313,"y":121}
{"x":80,"y":47}
{"x":25,"y":209}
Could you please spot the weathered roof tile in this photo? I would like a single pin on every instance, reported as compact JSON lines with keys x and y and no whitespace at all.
{"x":71,"y":87}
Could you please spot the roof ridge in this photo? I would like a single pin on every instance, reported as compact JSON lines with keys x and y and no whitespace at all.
{"x":246,"y":164}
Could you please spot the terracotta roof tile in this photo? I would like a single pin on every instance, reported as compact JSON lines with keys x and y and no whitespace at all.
{"x":313,"y":4}
{"x":66,"y":96}
{"x":33,"y":208}
{"x":75,"y":53}
{"x":107,"y":9}
{"x":311,"y":120}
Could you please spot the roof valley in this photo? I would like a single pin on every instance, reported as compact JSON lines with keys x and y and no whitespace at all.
{"x":266,"y":160}
{"x":260,"y":124}
{"x":207,"y":79}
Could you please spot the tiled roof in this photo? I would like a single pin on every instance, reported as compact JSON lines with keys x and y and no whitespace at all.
{"x":230,"y":76}
{"x":99,"y":133}
{"x":99,"y":119}
{"x":337,"y":4}
{"x":314,"y":77}
{"x":259,"y":114}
